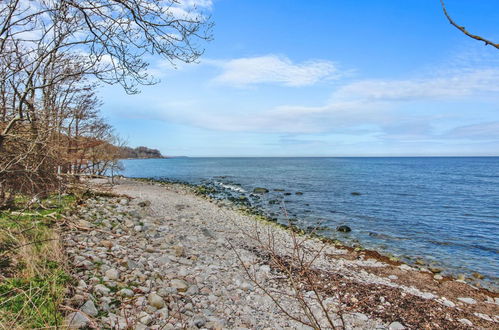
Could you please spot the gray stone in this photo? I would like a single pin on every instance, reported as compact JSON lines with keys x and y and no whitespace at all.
{"x":85,"y":223}
{"x":125,"y":293}
{"x":163,"y":313}
{"x":484,"y":316}
{"x":396,"y":326}
{"x":155,"y":300}
{"x":76,"y":320}
{"x":466,"y":322}
{"x":145,"y":318}
{"x":89,"y":308}
{"x":405,"y":267}
{"x":164,"y":260}
{"x":470,"y":301}
{"x":199,"y":322}
{"x":260,"y":190}
{"x":193,"y":290}
{"x":112,"y":274}
{"x":102,"y":289}
{"x":448,"y":303}
{"x":180,"y":285}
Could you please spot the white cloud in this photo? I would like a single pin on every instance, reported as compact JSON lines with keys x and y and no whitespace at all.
{"x":196,"y":3}
{"x":272,"y":69}
{"x":385,"y":107}
{"x":439,"y":87}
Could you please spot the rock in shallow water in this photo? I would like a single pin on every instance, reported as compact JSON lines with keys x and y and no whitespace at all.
{"x":344,"y":229}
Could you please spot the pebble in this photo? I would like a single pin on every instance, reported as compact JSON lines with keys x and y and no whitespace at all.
{"x":89,"y":308}
{"x":180,"y":285}
{"x":177,"y":265}
{"x":155,"y":300}
{"x":484,"y":316}
{"x":125,"y":293}
{"x":396,"y":326}
{"x":448,"y":303}
{"x":405,"y":267}
{"x":107,"y":244}
{"x":112,"y":274}
{"x":162,"y":313}
{"x":76,"y":320}
{"x":102,"y":289}
{"x":467,"y":300}
{"x":435,"y":269}
{"x":466,"y":322}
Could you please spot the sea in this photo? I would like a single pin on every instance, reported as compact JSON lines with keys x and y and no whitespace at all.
{"x":443,"y":211}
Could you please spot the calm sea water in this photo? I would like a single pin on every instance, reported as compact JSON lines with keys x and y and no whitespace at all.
{"x":443,"y":210}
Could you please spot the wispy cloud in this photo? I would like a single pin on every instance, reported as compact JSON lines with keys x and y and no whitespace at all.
{"x":443,"y":86}
{"x":273,"y":69}
{"x":196,"y":3}
{"x":387,"y":108}
{"x":481,"y":131}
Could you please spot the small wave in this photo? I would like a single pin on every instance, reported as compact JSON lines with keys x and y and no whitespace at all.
{"x":231,"y":187}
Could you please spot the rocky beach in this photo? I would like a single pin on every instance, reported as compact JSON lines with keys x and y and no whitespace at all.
{"x":157,"y":256}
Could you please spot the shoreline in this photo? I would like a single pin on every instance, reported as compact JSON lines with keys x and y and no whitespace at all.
{"x":202,"y":239}
{"x":471,"y":277}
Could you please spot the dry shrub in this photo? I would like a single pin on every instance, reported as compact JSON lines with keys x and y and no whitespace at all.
{"x":292,"y":258}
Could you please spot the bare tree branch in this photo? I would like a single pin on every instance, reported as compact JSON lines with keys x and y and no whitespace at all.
{"x":463,"y":30}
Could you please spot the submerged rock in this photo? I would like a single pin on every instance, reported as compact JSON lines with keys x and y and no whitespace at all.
{"x":344,"y":229}
{"x":478,"y":276}
{"x":298,"y":193}
{"x":260,"y":190}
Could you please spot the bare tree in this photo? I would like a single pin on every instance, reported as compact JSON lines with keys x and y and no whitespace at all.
{"x":48,"y":109}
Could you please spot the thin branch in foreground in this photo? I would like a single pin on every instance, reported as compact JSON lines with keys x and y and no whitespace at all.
{"x":463,"y":30}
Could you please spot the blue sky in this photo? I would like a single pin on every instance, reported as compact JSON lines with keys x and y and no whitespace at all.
{"x":325,"y":78}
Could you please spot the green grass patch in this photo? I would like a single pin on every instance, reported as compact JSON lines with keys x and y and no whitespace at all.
{"x":33,"y":302}
{"x":33,"y":278}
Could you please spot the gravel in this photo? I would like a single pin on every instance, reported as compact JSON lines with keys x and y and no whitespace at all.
{"x":165,"y":258}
